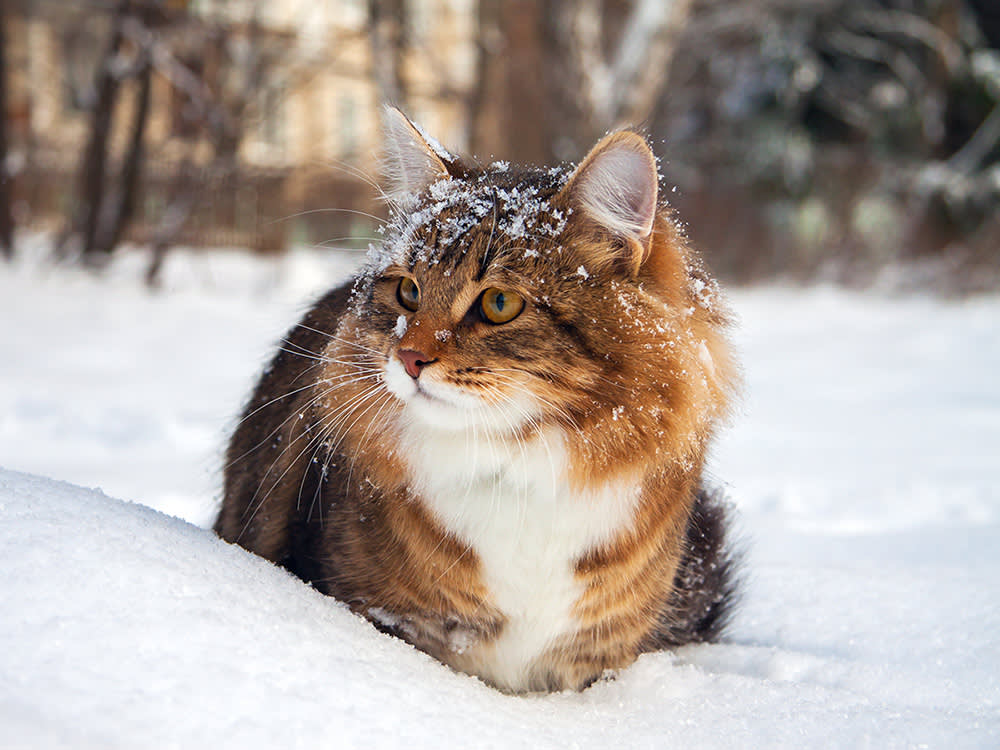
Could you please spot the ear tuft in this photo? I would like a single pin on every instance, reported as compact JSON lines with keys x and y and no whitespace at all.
{"x":616,"y":185}
{"x":412,"y":159}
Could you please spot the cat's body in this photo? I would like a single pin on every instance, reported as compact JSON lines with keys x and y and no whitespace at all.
{"x":492,"y":445}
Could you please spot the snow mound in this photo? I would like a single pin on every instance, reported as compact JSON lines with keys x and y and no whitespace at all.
{"x":125,"y":627}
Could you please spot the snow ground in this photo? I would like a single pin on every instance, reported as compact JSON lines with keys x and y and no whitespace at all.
{"x":864,"y":467}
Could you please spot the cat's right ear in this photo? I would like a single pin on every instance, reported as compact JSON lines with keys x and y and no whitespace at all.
{"x":412,"y":159}
{"x":616,"y":187}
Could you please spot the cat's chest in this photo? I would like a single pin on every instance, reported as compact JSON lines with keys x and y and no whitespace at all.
{"x":511,"y":503}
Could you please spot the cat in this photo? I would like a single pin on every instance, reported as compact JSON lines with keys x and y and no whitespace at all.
{"x":491,"y":442}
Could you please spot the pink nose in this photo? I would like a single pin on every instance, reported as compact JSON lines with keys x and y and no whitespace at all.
{"x":413,"y":361}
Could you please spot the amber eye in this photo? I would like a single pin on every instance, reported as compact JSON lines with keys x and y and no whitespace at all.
{"x":408,"y":293}
{"x":501,"y":305}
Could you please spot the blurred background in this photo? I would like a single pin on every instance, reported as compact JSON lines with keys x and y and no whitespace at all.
{"x":837,"y":140}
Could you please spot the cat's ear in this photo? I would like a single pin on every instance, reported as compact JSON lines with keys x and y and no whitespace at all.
{"x":412,"y":159}
{"x":616,"y":187}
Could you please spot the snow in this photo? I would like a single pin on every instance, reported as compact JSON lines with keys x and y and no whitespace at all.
{"x":400,"y":328}
{"x":863,"y":465}
{"x":453,"y":206}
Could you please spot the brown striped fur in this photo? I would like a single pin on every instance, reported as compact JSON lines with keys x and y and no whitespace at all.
{"x":622,"y":346}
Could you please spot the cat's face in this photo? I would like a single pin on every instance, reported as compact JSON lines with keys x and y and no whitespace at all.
{"x":477,"y":306}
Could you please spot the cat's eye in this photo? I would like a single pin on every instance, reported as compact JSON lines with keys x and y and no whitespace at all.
{"x":408,"y":293}
{"x":500,"y":305}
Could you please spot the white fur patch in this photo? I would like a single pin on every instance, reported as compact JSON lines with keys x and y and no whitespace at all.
{"x":511,"y":502}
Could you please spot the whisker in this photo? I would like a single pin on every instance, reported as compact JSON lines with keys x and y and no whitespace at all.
{"x":254,"y":504}
{"x":299,"y":214}
{"x":349,"y":380}
{"x":341,"y":340}
{"x":334,"y":241}
{"x":454,"y":562}
{"x":385,"y":399}
{"x":360,"y":174}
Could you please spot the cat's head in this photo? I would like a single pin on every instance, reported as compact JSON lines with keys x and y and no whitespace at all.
{"x":506,"y":299}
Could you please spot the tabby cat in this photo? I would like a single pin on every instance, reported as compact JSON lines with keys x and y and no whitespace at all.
{"x":491,"y":442}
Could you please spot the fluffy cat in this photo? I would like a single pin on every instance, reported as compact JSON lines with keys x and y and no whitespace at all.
{"x":491,"y":442}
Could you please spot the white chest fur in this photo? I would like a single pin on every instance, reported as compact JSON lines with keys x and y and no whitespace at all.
{"x":511,"y":503}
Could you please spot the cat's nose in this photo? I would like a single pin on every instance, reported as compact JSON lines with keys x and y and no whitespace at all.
{"x":413,"y":361}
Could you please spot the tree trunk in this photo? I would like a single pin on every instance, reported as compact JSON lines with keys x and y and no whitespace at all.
{"x":6,"y":218}
{"x":93,"y":166}
{"x":566,"y":123}
{"x":487,"y":37}
{"x":120,"y":211}
{"x":387,"y":29}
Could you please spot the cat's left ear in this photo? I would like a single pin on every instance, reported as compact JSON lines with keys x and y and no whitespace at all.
{"x":412,"y":160}
{"x":616,"y":187}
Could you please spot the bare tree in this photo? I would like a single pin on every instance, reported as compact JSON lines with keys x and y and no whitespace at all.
{"x":610,"y":61}
{"x":217,"y":67}
{"x":222,"y":98}
{"x":624,"y":84}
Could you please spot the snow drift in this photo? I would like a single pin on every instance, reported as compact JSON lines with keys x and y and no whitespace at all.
{"x":128,"y":628}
